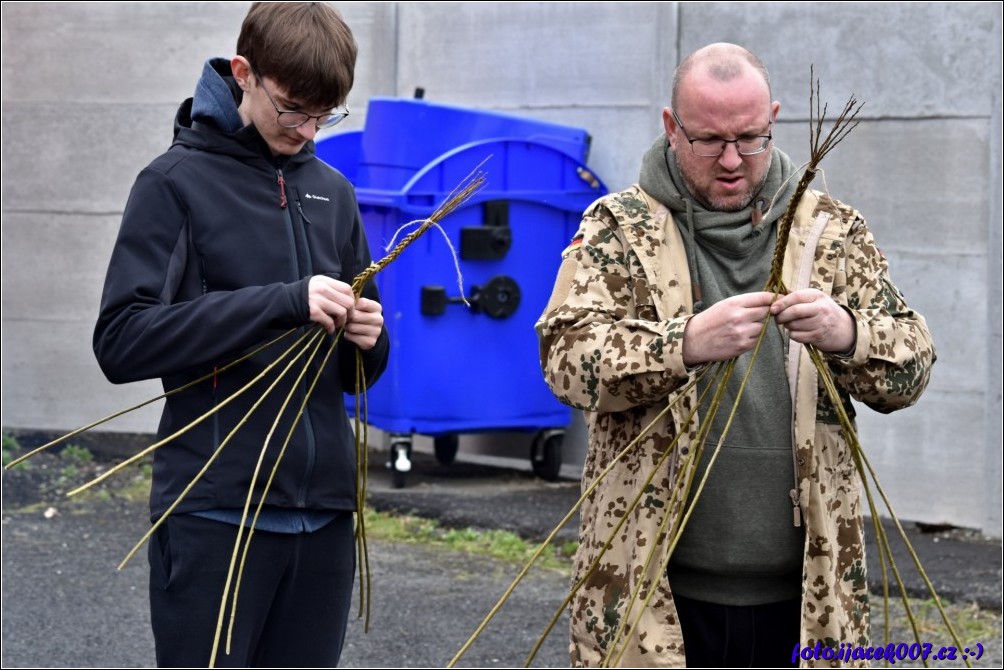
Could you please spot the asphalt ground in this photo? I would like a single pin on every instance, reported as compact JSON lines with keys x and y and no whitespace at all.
{"x":65,"y":605}
{"x":962,"y":566}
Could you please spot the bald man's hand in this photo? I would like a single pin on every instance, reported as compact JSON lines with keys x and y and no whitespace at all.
{"x":813,"y":317}
{"x":726,"y":329}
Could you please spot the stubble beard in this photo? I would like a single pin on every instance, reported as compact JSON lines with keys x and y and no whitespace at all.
{"x":725,"y":204}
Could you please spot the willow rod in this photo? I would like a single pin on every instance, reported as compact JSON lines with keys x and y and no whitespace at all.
{"x":681,"y":520}
{"x":216,"y":454}
{"x":616,"y":530}
{"x":475,"y":182}
{"x":185,"y":429}
{"x":268,"y":484}
{"x":564,"y":521}
{"x":865,"y":469}
{"x":115,"y":415}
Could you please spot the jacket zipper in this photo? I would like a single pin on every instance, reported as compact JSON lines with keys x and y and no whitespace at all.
{"x":301,"y":230}
{"x":299,"y":208}
{"x":282,"y":190}
{"x":291,"y":229}
{"x":801,"y":281}
{"x":216,"y":415}
{"x":793,"y":376}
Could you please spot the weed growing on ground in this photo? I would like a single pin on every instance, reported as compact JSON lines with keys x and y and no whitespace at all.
{"x":972,"y":624}
{"x":501,"y":544}
{"x":11,"y":450}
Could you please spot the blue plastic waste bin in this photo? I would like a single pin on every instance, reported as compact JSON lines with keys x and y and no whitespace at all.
{"x":456,"y":369}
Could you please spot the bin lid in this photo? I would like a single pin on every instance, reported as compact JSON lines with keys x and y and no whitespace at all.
{"x":410,"y":133}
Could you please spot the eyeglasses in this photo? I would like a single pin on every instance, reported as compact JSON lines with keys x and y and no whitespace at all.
{"x":289,"y":119}
{"x":715,"y":147}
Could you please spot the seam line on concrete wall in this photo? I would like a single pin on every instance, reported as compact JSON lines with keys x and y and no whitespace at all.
{"x":832,"y":112}
{"x":63,"y":212}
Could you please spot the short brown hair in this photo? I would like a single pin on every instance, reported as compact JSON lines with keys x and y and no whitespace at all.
{"x":305,"y":47}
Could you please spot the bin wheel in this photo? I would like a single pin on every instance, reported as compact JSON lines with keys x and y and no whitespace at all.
{"x":446,"y":447}
{"x":545,"y":454}
{"x":400,"y":460}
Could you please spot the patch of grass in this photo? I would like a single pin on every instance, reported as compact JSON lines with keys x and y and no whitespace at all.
{"x":75,"y":464}
{"x":130,"y":484}
{"x":138,"y":487}
{"x":971,"y":623}
{"x":501,"y":544}
{"x":11,"y":450}
{"x":568,"y":548}
{"x":57,"y":473}
{"x":75,"y":455}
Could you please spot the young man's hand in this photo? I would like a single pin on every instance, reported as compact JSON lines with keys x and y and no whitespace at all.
{"x":365,"y":323}
{"x":331,"y":302}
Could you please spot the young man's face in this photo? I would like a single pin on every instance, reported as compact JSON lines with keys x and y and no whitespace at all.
{"x":710,"y":109}
{"x":263,"y":101}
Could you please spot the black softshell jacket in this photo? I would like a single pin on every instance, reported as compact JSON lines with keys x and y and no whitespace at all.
{"x":217,"y":245}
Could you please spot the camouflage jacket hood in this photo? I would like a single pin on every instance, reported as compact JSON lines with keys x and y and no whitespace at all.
{"x":611,"y":344}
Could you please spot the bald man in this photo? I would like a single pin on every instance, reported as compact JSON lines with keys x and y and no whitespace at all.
{"x":661,"y":281}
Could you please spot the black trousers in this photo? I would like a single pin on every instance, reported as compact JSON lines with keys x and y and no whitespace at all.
{"x":292,"y":606}
{"x":730,"y":636}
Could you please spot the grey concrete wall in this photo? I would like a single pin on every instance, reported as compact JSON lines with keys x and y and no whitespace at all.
{"x":89,"y":91}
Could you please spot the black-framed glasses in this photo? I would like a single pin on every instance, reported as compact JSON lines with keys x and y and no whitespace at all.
{"x":290,"y":119}
{"x":749,"y":145}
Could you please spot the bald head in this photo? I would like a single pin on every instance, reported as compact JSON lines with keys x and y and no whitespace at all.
{"x":721,"y":98}
{"x":722,"y":62}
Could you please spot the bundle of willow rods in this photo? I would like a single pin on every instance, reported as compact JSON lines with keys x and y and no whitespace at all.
{"x":721,"y":372}
{"x":308,"y":342}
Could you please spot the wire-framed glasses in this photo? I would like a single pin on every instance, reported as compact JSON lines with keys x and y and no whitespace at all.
{"x":291,"y":119}
{"x":714,"y":147}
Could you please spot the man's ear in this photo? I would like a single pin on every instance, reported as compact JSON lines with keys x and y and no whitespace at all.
{"x":242,"y":71}
{"x":669,"y":124}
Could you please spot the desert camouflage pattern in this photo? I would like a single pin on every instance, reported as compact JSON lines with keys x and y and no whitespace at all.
{"x":611,"y":345}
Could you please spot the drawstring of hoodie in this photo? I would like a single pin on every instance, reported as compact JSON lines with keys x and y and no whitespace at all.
{"x":760,"y":206}
{"x":695,"y":271}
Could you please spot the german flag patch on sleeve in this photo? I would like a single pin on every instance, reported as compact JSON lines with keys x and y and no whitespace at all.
{"x":572,"y":246}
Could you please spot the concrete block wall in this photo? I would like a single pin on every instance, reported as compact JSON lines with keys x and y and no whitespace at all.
{"x":89,"y":91}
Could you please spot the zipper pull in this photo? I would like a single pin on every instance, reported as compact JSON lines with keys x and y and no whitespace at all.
{"x":303,"y":217}
{"x":202,"y":275}
{"x":282,"y":190}
{"x":797,"y":511}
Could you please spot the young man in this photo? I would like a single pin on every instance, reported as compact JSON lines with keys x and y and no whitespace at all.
{"x":667,"y":277}
{"x":235,"y":235}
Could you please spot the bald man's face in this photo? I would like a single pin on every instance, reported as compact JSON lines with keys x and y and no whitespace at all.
{"x":712,"y":109}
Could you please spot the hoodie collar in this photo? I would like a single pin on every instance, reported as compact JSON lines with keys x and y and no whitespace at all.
{"x":210,"y":121}
{"x":217,"y":97}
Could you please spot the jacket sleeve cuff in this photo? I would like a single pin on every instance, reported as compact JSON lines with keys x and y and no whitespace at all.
{"x":298,"y":298}
{"x":673,"y":348}
{"x":862,"y":346}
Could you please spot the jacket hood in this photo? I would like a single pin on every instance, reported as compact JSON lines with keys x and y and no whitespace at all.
{"x":210,"y":121}
{"x":217,"y":96}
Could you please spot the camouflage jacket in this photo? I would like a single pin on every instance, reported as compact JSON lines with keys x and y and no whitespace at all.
{"x":611,"y":344}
